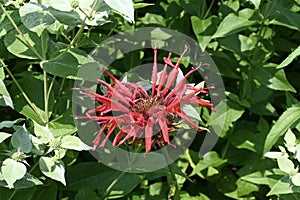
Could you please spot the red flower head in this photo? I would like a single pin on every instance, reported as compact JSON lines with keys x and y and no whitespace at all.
{"x":139,"y":116}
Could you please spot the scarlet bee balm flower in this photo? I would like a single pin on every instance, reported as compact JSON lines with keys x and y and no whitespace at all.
{"x":142,"y":117}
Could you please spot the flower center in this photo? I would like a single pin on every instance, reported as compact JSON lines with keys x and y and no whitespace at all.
{"x":142,"y":105}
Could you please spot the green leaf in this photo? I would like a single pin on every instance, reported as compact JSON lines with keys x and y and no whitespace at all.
{"x":286,"y":165}
{"x":124,"y":7}
{"x":20,"y":139}
{"x":35,"y":17}
{"x":226,"y":113}
{"x":74,"y":143}
{"x":285,"y":121}
{"x":9,"y":124}
{"x":283,"y":186}
{"x":256,"y":3}
{"x":4,"y":136}
{"x":35,"y":96}
{"x":204,"y":29}
{"x":27,"y":181}
{"x":280,"y":82}
{"x":43,"y":133}
{"x":63,"y":5}
{"x":233,"y":23}
{"x":290,"y":58}
{"x":48,"y":192}
{"x":194,"y":7}
{"x":296,"y":179}
{"x":86,"y":193}
{"x":290,"y":139}
{"x":87,"y":175}
{"x":53,"y":169}
{"x":12,"y":171}
{"x":142,"y":5}
{"x":16,"y":45}
{"x":5,"y":99}
{"x":5,"y":24}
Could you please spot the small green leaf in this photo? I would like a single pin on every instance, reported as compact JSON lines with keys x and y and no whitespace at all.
{"x":20,"y":139}
{"x":9,"y":124}
{"x":290,"y":139}
{"x":43,"y":133}
{"x":5,"y":24}
{"x":12,"y":171}
{"x":290,"y":58}
{"x":53,"y":169}
{"x":285,"y":121}
{"x":27,"y":181}
{"x":298,"y":152}
{"x":4,"y":136}
{"x":74,"y":143}
{"x":286,"y":165}
{"x":296,"y":179}
{"x":35,"y":17}
{"x":5,"y":99}
{"x":142,"y":5}
{"x":124,"y":7}
{"x":86,"y":193}
{"x":280,"y":82}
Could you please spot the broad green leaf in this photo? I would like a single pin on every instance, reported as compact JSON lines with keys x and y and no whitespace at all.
{"x":86,"y":193}
{"x":74,"y":143}
{"x":65,"y":66}
{"x":283,"y":186}
{"x":256,"y":3}
{"x":285,"y":121}
{"x":4,"y":136}
{"x":233,"y":23}
{"x":43,"y":133}
{"x":298,"y":152}
{"x":16,"y":45}
{"x":20,"y":139}
{"x":124,"y":186}
{"x":5,"y":99}
{"x":12,"y":171}
{"x":35,"y":17}
{"x":286,"y":165}
{"x":53,"y":169}
{"x":49,"y":192}
{"x":36,"y":96}
{"x":290,"y":58}
{"x":124,"y":7}
{"x":222,"y":120}
{"x":63,"y":5}
{"x":204,"y":29}
{"x":87,"y":175}
{"x":63,"y":125}
{"x":263,"y":177}
{"x":5,"y":24}
{"x":194,"y":7}
{"x":70,"y":18}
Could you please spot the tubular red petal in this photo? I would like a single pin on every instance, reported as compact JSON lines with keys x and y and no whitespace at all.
{"x":96,"y":141}
{"x":148,"y":134}
{"x":109,"y":132}
{"x":164,"y":128}
{"x":119,"y":85}
{"x":154,"y":72}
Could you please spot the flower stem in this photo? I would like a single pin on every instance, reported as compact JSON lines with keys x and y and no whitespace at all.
{"x":32,"y":105}
{"x":174,"y":184}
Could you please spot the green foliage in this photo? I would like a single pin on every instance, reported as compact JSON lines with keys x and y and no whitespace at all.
{"x":255,"y":45}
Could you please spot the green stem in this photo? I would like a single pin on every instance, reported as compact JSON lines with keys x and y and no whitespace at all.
{"x":209,"y":8}
{"x":176,"y":193}
{"x":20,"y":33}
{"x":45,"y":97}
{"x":12,"y":194}
{"x":110,"y":187}
{"x":32,"y":105}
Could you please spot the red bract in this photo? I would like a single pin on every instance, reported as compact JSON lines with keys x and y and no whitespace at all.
{"x":141,"y":117}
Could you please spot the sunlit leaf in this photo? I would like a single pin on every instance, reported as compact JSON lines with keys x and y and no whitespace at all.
{"x":12,"y":171}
